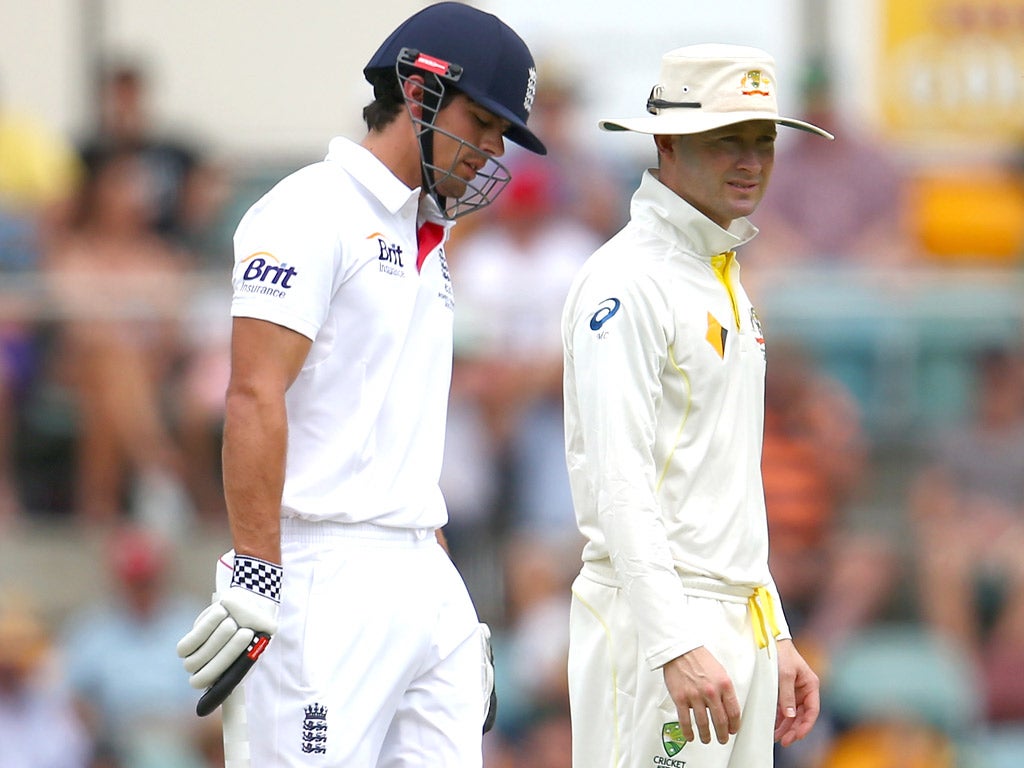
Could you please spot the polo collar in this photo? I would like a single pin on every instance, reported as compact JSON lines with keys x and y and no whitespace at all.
{"x":664,"y":211}
{"x":379,"y":181}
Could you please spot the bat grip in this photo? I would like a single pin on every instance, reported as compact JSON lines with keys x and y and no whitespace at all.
{"x":226,"y":683}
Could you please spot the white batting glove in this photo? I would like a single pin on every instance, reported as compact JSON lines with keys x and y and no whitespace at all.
{"x":224,"y":630}
{"x":490,"y":697}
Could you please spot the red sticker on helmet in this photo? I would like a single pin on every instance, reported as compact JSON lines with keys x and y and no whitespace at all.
{"x":431,"y":64}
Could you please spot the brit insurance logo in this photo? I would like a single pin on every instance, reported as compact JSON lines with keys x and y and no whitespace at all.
{"x":390,"y":258}
{"x":266,"y":275}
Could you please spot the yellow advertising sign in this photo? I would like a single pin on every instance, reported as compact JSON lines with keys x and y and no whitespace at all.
{"x":953,"y":69}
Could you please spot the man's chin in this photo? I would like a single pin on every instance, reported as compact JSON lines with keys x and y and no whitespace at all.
{"x":744,"y":208}
{"x":451,"y":189}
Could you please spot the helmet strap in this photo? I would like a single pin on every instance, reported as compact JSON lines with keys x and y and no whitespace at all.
{"x":431,"y":104}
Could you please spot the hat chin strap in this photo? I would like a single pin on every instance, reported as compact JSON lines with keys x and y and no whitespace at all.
{"x":489,"y":181}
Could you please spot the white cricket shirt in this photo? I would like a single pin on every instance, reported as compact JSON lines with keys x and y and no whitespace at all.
{"x":664,"y":411}
{"x":331,"y":252}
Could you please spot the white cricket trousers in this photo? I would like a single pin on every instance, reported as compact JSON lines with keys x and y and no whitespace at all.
{"x":622,"y":714}
{"x":377,"y":659}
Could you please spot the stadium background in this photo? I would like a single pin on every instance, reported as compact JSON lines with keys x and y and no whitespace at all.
{"x":260,"y":86}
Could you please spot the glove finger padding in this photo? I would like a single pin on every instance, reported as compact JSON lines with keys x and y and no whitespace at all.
{"x":215,"y":667}
{"x":205,"y":653}
{"x":203,"y":628}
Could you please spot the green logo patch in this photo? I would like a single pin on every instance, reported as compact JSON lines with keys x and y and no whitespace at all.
{"x":672,"y":738}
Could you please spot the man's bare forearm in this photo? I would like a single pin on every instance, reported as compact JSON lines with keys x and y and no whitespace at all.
{"x":255,"y":439}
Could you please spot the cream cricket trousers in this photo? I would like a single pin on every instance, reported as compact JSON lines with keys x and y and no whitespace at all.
{"x":622,"y":714}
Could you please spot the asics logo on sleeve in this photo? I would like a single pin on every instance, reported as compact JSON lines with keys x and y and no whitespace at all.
{"x":607,"y":308}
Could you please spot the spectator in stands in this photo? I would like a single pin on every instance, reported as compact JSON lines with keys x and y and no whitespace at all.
{"x":19,"y":259}
{"x":837,"y":574}
{"x":39,"y":172}
{"x":836,"y":577}
{"x":833,"y":203}
{"x":967,"y":504}
{"x":531,"y":645}
{"x":201,"y":400}
{"x":590,"y":189}
{"x":120,"y":660}
{"x":39,"y":169}
{"x":39,"y":727}
{"x":547,"y":743}
{"x":187,"y":191}
{"x":120,"y":290}
{"x":544,"y":743}
{"x":185,"y":194}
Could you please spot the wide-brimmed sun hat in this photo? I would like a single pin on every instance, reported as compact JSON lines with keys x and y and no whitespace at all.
{"x":711,"y":85}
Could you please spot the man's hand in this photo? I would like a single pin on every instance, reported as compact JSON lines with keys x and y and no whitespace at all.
{"x":225,"y":630}
{"x":799,"y":701}
{"x":699,"y":684}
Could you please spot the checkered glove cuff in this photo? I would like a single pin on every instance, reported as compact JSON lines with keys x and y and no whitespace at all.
{"x":259,"y":576}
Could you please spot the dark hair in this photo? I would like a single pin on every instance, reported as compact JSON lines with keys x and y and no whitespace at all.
{"x":389,"y":101}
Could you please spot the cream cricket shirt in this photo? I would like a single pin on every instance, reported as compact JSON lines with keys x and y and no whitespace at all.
{"x":331,"y":252}
{"x":664,"y":404}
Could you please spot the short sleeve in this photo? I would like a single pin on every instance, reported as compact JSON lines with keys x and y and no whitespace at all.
{"x":287,"y":258}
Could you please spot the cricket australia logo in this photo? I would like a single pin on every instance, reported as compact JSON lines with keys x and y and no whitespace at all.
{"x":755,"y":83}
{"x":314,"y":730}
{"x":673,"y":741}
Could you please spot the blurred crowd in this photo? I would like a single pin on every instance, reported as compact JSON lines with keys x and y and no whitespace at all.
{"x":898,"y":559}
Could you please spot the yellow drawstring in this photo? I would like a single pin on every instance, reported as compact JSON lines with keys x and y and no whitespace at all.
{"x":762,"y":612}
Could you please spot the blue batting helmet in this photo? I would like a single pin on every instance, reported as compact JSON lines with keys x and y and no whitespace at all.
{"x":486,"y":60}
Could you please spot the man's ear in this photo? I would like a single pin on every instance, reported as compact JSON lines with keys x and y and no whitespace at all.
{"x":412,"y":91}
{"x":665,"y":144}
